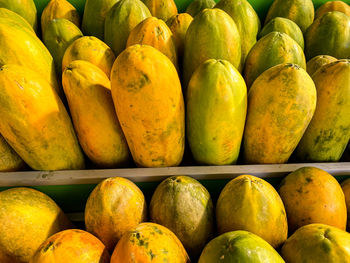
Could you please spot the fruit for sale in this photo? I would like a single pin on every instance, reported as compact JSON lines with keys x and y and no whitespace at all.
{"x":154,"y":32}
{"x":329,"y":35}
{"x":196,"y":6}
{"x":90,"y":49}
{"x":88,"y":92}
{"x":317,"y":243}
{"x":59,"y":34}
{"x":27,"y":218}
{"x":273,"y":49}
{"x":286,"y":26}
{"x":183,"y":205}
{"x":162,"y":9}
{"x":72,"y":244}
{"x":281,"y":103}
{"x":9,"y":159}
{"x":149,"y":242}
{"x":247,"y":22}
{"x":35,"y":122}
{"x":216,"y":111}
{"x":202,"y":43}
{"x":120,"y":20}
{"x":59,"y":9}
{"x":300,"y":11}
{"x":345,"y":185}
{"x":25,"y":8}
{"x":328,"y":133}
{"x":147,"y":95}
{"x":252,"y":204}
{"x":317,"y":62}
{"x":95,"y":12}
{"x":330,"y":6}
{"x":311,"y":195}
{"x":239,"y":246}
{"x":15,"y":18}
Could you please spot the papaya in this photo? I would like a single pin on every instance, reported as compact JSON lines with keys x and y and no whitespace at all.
{"x":59,"y":9}
{"x":123,"y":207}
{"x":202,"y":43}
{"x":239,"y":246}
{"x":329,"y":35}
{"x":9,"y":159}
{"x":299,"y":11}
{"x":252,"y":204}
{"x":317,"y":62}
{"x":316,"y":243}
{"x":311,"y":195}
{"x":94,"y":16}
{"x":15,"y":18}
{"x":216,"y":108}
{"x":20,"y":46}
{"x":162,"y":9}
{"x":328,"y":133}
{"x":247,"y":22}
{"x":154,"y":32}
{"x":149,"y":242}
{"x":59,"y":34}
{"x":71,"y":244}
{"x":345,"y":185}
{"x":25,"y":8}
{"x":35,"y":121}
{"x":284,"y":25}
{"x":281,"y":103}
{"x":273,"y":49}
{"x":124,"y":15}
{"x":90,"y":49}
{"x":330,"y":6}
{"x":147,"y":95}
{"x":88,"y":92}
{"x":196,"y":6}
{"x":183,"y":205}
{"x":27,"y":218}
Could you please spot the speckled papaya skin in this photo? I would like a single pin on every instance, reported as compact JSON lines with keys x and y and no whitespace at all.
{"x":317,"y":62}
{"x":9,"y":159}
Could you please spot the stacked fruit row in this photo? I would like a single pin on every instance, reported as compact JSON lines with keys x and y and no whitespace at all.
{"x":253,"y":221}
{"x":74,"y":97}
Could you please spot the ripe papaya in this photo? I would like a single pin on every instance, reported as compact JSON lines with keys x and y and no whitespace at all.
{"x":9,"y":159}
{"x":196,"y":6}
{"x":162,"y":9}
{"x":15,"y":18}
{"x":330,"y":6}
{"x":317,"y":62}
{"x":345,"y":186}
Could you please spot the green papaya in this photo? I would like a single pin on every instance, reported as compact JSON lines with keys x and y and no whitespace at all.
{"x":317,"y":62}
{"x":196,"y":6}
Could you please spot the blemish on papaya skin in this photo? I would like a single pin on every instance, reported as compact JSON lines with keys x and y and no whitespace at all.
{"x":139,"y":83}
{"x":48,"y":246}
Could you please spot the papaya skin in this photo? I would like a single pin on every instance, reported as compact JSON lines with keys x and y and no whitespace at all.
{"x":332,"y":6}
{"x":345,"y":185}
{"x":196,"y":6}
{"x":162,"y":9}
{"x":317,"y":62}
{"x":147,"y":95}
{"x":9,"y":160}
{"x":15,"y":18}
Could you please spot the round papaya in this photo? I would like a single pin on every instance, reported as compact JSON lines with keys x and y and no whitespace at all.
{"x":329,"y":35}
{"x":162,"y":9}
{"x":216,"y":105}
{"x":239,"y":246}
{"x":124,"y":15}
{"x":202,"y":43}
{"x":183,"y":205}
{"x":196,"y":6}
{"x":317,"y":62}
{"x":317,"y":243}
{"x":9,"y":159}
{"x":115,"y":206}
{"x":27,"y":218}
{"x":330,"y":6}
{"x":311,"y":195}
{"x":147,"y":95}
{"x":273,"y":49}
{"x":71,"y":244}
{"x":15,"y":18}
{"x":281,"y":103}
{"x":252,"y":204}
{"x":149,"y":243}
{"x":345,"y":185}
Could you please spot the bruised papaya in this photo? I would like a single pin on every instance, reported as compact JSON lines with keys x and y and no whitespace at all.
{"x":147,"y":95}
{"x":9,"y":159}
{"x":202,"y":43}
{"x":330,"y":6}
{"x":216,"y":105}
{"x":162,"y":9}
{"x":317,"y":62}
{"x":88,"y":92}
{"x":154,"y":32}
{"x":15,"y":18}
{"x":59,"y":9}
{"x":328,"y":133}
{"x":281,"y":103}
{"x":35,"y":122}
{"x":196,"y":6}
{"x":124,"y":15}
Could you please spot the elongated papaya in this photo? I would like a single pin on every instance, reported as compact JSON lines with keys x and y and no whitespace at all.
{"x":162,"y":9}
{"x":35,"y":122}
{"x":15,"y":18}
{"x":147,"y":95}
{"x":9,"y":159}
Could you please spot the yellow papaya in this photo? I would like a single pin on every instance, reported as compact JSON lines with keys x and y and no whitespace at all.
{"x":162,"y":9}
{"x":9,"y":159}
{"x":330,"y":6}
{"x":147,"y":95}
{"x":35,"y":122}
{"x":88,"y":92}
{"x":317,"y":62}
{"x":15,"y":18}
